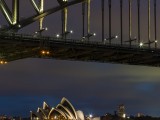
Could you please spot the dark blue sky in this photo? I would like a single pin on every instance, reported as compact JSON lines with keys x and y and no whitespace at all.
{"x":92,"y":87}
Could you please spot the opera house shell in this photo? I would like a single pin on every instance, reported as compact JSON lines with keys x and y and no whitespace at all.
{"x":63,"y":111}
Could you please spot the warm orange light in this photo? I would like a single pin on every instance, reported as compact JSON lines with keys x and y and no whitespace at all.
{"x":45,"y":52}
{"x":48,"y":52}
{"x":3,"y":62}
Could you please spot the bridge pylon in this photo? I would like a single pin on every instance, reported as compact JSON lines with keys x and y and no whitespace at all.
{"x":39,"y":8}
{"x":64,"y":17}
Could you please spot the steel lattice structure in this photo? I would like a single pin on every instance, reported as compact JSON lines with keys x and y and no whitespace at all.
{"x":15,"y":46}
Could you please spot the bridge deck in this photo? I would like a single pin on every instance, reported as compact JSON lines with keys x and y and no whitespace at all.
{"x":17,"y":46}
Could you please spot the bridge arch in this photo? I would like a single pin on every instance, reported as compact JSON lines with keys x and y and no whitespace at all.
{"x":36,"y":17}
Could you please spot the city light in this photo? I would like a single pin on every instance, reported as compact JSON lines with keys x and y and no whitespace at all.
{"x":124,"y":115}
{"x":55,"y":117}
{"x":90,"y":115}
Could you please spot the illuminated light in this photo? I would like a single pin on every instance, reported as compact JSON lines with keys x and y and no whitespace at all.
{"x":48,"y":52}
{"x":141,"y":44}
{"x":43,"y":52}
{"x":116,"y":36}
{"x":46,"y":28}
{"x":124,"y":116}
{"x":36,"y":32}
{"x":94,"y":34}
{"x":19,"y":26}
{"x":71,"y":31}
{"x":90,"y":115}
{"x":156,"y":41}
{"x":55,"y":117}
{"x":57,"y":35}
{"x":1,"y":62}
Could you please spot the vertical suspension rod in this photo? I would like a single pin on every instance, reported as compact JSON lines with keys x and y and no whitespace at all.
{"x":155,"y":18}
{"x":102,"y":20}
{"x":130,"y":22}
{"x":110,"y":8}
{"x":139,"y":29}
{"x":88,"y":16}
{"x":121,"y":20}
{"x":62,"y":19}
{"x":149,"y":23}
{"x":83,"y":19}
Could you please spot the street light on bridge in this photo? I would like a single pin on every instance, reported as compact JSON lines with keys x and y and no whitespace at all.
{"x":41,"y":30}
{"x":111,"y":38}
{"x":89,"y":35}
{"x":141,"y":44}
{"x":64,"y":35}
{"x":150,"y":42}
{"x":131,"y":40}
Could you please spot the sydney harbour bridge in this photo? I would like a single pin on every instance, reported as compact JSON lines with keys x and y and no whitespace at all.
{"x":130,"y":50}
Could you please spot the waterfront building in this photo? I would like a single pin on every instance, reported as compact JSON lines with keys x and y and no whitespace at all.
{"x":63,"y":111}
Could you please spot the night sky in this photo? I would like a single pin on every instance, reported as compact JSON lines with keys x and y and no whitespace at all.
{"x":92,"y":87}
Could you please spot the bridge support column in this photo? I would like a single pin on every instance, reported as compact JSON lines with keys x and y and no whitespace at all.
{"x":121,"y":20}
{"x":110,"y":22}
{"x":83,"y":19}
{"x":39,"y":9}
{"x":41,"y":2}
{"x":139,"y":28}
{"x":65,"y":19}
{"x":130,"y":21}
{"x":149,"y":22}
{"x":64,"y":22}
{"x":155,"y":18}
{"x":102,"y":20}
{"x":15,"y":7}
{"x":88,"y":16}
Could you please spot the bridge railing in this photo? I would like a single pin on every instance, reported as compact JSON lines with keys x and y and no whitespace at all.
{"x":52,"y":40}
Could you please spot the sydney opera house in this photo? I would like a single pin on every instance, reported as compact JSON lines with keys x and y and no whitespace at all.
{"x":63,"y":111}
